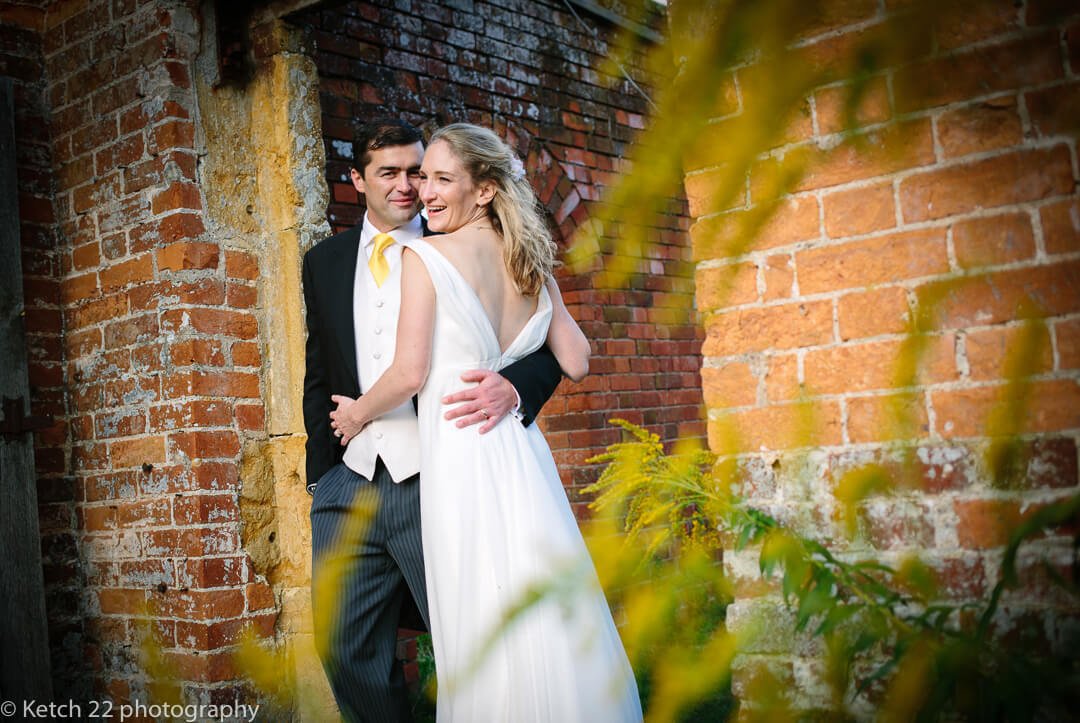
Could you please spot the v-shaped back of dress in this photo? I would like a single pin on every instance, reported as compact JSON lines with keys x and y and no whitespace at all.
{"x":496,"y":524}
{"x":463,"y":334}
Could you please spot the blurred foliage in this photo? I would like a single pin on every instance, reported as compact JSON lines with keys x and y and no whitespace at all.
{"x":737,"y":78}
{"x":885,"y":635}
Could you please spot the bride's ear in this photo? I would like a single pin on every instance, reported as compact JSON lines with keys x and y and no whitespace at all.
{"x":486,"y":193}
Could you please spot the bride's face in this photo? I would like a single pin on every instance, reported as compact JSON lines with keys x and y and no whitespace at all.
{"x":448,"y":191}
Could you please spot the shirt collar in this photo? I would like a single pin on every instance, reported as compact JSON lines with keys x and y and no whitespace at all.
{"x":406,"y":232}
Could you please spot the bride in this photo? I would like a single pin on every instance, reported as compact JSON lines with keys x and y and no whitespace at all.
{"x":495,"y":521}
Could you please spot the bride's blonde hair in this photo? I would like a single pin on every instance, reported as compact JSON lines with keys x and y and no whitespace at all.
{"x":528,"y":250}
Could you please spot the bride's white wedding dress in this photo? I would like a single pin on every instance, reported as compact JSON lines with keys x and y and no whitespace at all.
{"x":496,"y":524}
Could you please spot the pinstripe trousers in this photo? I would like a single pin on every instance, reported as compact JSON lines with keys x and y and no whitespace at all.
{"x":356,"y":625}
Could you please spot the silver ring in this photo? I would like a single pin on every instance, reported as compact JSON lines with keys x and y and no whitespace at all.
{"x":486,"y":415}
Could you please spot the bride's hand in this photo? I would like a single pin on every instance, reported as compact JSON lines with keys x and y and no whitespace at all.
{"x":346,"y":420}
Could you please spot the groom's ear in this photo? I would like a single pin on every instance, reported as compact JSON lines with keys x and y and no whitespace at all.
{"x":357,"y":180}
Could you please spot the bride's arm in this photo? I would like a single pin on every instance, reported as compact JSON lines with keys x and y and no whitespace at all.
{"x":412,"y":354}
{"x":565,"y":338}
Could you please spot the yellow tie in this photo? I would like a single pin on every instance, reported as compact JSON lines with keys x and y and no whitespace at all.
{"x":380,"y":269}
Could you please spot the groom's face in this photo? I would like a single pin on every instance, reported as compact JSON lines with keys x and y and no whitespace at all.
{"x":390,"y":183}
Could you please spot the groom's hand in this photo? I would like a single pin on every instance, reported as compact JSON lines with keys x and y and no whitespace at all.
{"x":487,"y":403}
{"x":343,"y":423}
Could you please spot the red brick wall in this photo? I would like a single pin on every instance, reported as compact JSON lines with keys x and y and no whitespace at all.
{"x":527,"y":69}
{"x":161,"y":365}
{"x":966,"y":192}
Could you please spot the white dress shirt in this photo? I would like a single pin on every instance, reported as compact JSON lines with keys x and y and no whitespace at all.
{"x":394,"y":436}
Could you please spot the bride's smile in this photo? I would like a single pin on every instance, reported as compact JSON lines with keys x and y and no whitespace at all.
{"x":448,"y":192}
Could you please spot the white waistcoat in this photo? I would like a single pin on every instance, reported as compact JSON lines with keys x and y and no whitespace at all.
{"x":395,"y":435}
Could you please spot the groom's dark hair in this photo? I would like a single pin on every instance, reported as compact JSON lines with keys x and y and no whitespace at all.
{"x":380,"y":134}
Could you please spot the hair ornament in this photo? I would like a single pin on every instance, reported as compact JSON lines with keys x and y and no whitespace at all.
{"x":517,"y":168}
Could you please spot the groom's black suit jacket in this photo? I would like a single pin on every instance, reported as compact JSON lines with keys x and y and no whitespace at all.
{"x":329,"y":272}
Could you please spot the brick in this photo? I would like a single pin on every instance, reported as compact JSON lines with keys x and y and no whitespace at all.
{"x":730,"y":385}
{"x":989,"y":125}
{"x":123,"y":333}
{"x":1051,"y":406}
{"x":246,"y":354}
{"x":1010,"y":178}
{"x":891,"y":524}
{"x":215,"y":475}
{"x":989,"y":351}
{"x":188,"y":255}
{"x":729,"y":285}
{"x":173,"y":134}
{"x":197,"y":351}
{"x":78,"y":287}
{"x":251,"y":417}
{"x":210,"y":636}
{"x":1067,"y":334}
{"x":241,"y":265}
{"x":782,"y":378}
{"x":147,"y":573}
{"x":204,"y":445}
{"x":191,"y":413}
{"x":876,"y":365}
{"x":976,"y":23}
{"x":199,"y":292}
{"x":260,"y":596}
{"x":1001,"y":296}
{"x":779,"y":274}
{"x":96,"y":518}
{"x":144,"y":513}
{"x":1021,"y":63}
{"x":177,"y":196}
{"x":213,"y":572}
{"x":713,"y":191}
{"x":85,"y":256}
{"x":127,"y":272}
{"x":758,"y":92}
{"x":238,"y":324}
{"x":110,"y":486}
{"x":124,"y":152}
{"x":190,"y":541}
{"x":177,"y":227}
{"x":962,"y":578}
{"x":205,"y":509}
{"x":859,"y":210}
{"x":785,"y":326}
{"x":906,"y":255}
{"x":993,"y":240}
{"x":872,"y":313}
{"x":831,"y":105}
{"x":114,"y":601}
{"x":197,"y":604}
{"x":137,"y":452}
{"x":131,"y":390}
{"x":787,"y":426}
{"x":790,"y":221}
{"x":1047,"y":463}
{"x":986,"y":523}
{"x":119,"y":423}
{"x":1054,"y":111}
{"x":879,"y":152}
{"x":242,"y":296}
{"x":887,"y":417}
{"x":1061,"y":226}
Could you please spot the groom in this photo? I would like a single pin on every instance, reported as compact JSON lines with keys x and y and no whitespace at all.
{"x":352,"y":295}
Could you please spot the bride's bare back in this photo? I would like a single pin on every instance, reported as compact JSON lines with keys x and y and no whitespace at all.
{"x":477,"y":254}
